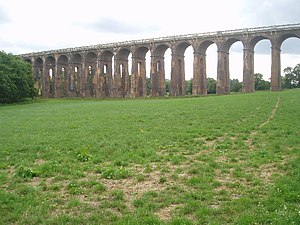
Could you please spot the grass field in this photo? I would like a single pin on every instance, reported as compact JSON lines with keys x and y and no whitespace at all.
{"x":230,"y":159}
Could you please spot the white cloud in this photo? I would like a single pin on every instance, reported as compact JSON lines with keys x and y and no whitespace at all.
{"x":35,"y":25}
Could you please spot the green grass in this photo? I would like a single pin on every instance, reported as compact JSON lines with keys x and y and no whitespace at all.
{"x":230,"y":159}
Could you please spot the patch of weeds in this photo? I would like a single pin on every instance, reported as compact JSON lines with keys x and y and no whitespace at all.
{"x":26,"y":172}
{"x":99,"y":188}
{"x":162,"y":180}
{"x":181,"y":221}
{"x":203,"y":215}
{"x":88,"y":184}
{"x":177,"y":159}
{"x":120,"y":163}
{"x":148,"y":169}
{"x":222,"y":147}
{"x":74,"y":188}
{"x":118,"y":195}
{"x":140,"y":177}
{"x":84,"y":155}
{"x":114,"y":173}
{"x":56,"y":187}
{"x":138,"y":203}
{"x":165,"y":169}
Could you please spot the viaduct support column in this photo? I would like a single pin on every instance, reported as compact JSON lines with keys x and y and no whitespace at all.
{"x":90,"y":80}
{"x":121,"y":78}
{"x":177,"y":76}
{"x":58,"y":82}
{"x":276,"y":69}
{"x":82,"y":84}
{"x":106,"y":79}
{"x":199,"y":77}
{"x":158,"y":84}
{"x":223,"y":73}
{"x":248,"y":71}
{"x":71,"y":84}
{"x":66,"y":81}
{"x":48,"y":81}
{"x":138,"y":77}
{"x":38,"y":79}
{"x":75,"y":79}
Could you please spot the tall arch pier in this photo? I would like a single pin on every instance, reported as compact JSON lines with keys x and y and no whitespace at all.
{"x":102,"y":71}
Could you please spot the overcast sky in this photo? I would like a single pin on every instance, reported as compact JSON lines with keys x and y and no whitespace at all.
{"x":35,"y":25}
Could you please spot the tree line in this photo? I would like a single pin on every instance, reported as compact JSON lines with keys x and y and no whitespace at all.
{"x":17,"y":84}
{"x":290,"y":79}
{"x":16,"y":79}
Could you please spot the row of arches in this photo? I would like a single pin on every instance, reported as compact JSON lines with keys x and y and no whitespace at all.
{"x":122,"y":71}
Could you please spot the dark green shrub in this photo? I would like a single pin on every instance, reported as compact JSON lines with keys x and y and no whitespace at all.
{"x":16,"y":79}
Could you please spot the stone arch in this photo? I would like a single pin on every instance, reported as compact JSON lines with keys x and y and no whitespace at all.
{"x":157,"y":73}
{"x":203,"y":46}
{"x":75,"y":77}
{"x":138,"y":73}
{"x":38,"y":75}
{"x":62,"y":77}
{"x":200,"y":67}
{"x":121,"y":74}
{"x":249,"y":62}
{"x":290,"y":44}
{"x":91,"y":58}
{"x":223,"y":77}
{"x":123,"y":54}
{"x":141,"y":52}
{"x":285,"y":36}
{"x":253,"y":42}
{"x":91,"y":75}
{"x":225,"y":46}
{"x":106,"y":74}
{"x":77,"y":58}
{"x":28,"y":61}
{"x":181,"y":47}
{"x":38,"y":62}
{"x":160,"y":50}
{"x":49,"y":77}
{"x":63,"y":60}
{"x":276,"y":58}
{"x":50,"y":61}
{"x":178,"y":69}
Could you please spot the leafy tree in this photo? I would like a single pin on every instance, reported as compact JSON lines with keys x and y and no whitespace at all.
{"x":260,"y":83}
{"x":167,"y":86}
{"x":189,"y":86}
{"x":296,"y":72}
{"x":211,"y":86}
{"x":148,"y":82}
{"x":289,"y":79}
{"x":16,"y":80}
{"x":235,"y":85}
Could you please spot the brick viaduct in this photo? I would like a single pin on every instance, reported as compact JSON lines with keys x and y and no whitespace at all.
{"x":88,"y":71}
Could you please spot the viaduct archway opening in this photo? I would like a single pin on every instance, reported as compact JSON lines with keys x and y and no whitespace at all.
{"x":236,"y":67}
{"x":290,"y":47}
{"x":160,"y":74}
{"x":38,"y":75}
{"x":106,"y":74}
{"x":138,"y":72}
{"x":76,"y":81}
{"x":122,"y":80}
{"x":49,"y":77}
{"x":189,"y":59}
{"x":91,"y":75}
{"x":62,"y":78}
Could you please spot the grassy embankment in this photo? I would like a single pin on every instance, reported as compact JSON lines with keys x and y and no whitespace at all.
{"x":208,"y":160}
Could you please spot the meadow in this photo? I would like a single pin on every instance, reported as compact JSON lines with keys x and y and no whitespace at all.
{"x":230,"y":159}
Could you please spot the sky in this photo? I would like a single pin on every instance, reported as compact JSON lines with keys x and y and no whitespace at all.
{"x":34,"y":25}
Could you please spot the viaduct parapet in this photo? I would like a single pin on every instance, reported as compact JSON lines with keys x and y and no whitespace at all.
{"x":102,"y":70}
